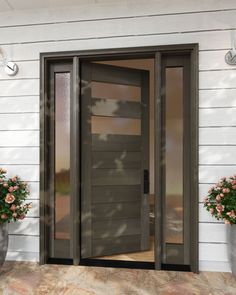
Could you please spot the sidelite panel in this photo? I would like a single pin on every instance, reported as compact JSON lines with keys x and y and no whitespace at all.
{"x":174,"y":155}
{"x":115,"y":138}
{"x":62,"y":156}
{"x":176,"y":160}
{"x":59,"y":228}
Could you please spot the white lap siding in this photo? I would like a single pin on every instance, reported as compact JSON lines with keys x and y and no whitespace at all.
{"x":116,"y":24}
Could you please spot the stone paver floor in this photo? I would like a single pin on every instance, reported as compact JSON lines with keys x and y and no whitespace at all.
{"x":30,"y":278}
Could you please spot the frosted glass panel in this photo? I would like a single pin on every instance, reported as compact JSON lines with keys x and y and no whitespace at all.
{"x":174,"y":155}
{"x":62,"y":155}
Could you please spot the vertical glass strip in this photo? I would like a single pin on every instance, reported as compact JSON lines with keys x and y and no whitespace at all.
{"x":62,"y":156}
{"x":174,"y":156}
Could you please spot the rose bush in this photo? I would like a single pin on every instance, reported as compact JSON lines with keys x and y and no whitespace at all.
{"x":221,"y":200}
{"x":13,"y":193}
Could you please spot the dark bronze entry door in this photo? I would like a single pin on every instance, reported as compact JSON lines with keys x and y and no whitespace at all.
{"x":114,"y":159}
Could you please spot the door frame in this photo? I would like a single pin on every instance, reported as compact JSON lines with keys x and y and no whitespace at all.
{"x":74,"y":57}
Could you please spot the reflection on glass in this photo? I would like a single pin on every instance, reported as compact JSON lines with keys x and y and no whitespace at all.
{"x":62,"y":155}
{"x":107,"y":125}
{"x":174,"y":155}
{"x":116,"y":91}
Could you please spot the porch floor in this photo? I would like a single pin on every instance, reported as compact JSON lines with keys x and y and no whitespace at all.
{"x":30,"y":278}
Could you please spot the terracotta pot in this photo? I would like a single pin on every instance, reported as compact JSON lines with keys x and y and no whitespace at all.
{"x":232,"y":247}
{"x":3,"y":242}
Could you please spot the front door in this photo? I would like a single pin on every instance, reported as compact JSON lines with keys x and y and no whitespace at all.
{"x":115,"y":160}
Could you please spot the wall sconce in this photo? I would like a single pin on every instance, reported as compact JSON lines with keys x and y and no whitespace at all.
{"x":10,"y":67}
{"x":230,"y":57}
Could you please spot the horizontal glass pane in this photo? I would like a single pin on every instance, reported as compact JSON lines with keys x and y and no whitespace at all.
{"x":106,"y":125}
{"x":174,"y":155}
{"x":62,"y":155}
{"x":115,"y":91}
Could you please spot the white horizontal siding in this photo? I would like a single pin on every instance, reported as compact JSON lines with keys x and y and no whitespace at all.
{"x":213,"y":60}
{"x":19,"y":121}
{"x":19,"y":138}
{"x":26,"y":172}
{"x":217,"y":117}
{"x":22,"y":256}
{"x":146,"y":25}
{"x":23,"y":243}
{"x":212,"y":233}
{"x":22,"y":155}
{"x":212,"y":174}
{"x":208,"y":265}
{"x":14,"y":87}
{"x":219,"y":40}
{"x":28,"y":226}
{"x":212,"y":98}
{"x":111,"y":9}
{"x":215,"y":155}
{"x":217,"y":136}
{"x":34,"y":190}
{"x":21,"y":104}
{"x":211,"y":252}
{"x":217,"y":79}
{"x":115,"y":25}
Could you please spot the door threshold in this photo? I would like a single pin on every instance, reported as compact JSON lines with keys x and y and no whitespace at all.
{"x":117,"y":263}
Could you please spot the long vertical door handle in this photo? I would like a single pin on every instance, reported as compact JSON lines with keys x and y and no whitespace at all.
{"x":145,"y":181}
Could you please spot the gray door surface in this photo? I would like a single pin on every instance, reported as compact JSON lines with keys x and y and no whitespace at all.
{"x":115,"y":160}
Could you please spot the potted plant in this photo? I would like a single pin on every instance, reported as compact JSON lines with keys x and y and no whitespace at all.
{"x":13,"y":193}
{"x":221,"y":203}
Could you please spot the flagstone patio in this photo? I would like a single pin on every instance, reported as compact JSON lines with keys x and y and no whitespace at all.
{"x":30,"y":278}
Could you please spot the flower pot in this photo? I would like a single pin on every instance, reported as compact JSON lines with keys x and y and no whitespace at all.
{"x":232,"y":247}
{"x":3,"y":242}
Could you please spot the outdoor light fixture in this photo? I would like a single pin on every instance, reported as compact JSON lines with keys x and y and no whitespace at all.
{"x":9,"y":67}
{"x":230,"y":57}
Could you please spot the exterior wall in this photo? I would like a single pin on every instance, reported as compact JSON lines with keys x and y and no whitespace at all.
{"x":23,"y":35}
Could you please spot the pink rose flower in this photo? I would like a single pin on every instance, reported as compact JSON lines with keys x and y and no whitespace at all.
{"x":222,"y":195}
{"x":14,"y":214}
{"x":226,"y":190}
{"x":9,"y":198}
{"x":231,"y":214}
{"x":4,"y":216}
{"x":234,"y":187}
{"x":11,"y":189}
{"x":14,"y":179}
{"x":13,"y":207}
{"x":219,"y":208}
{"x":5,"y":185}
{"x":15,"y":187}
{"x":211,"y":210}
{"x":218,"y":198}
